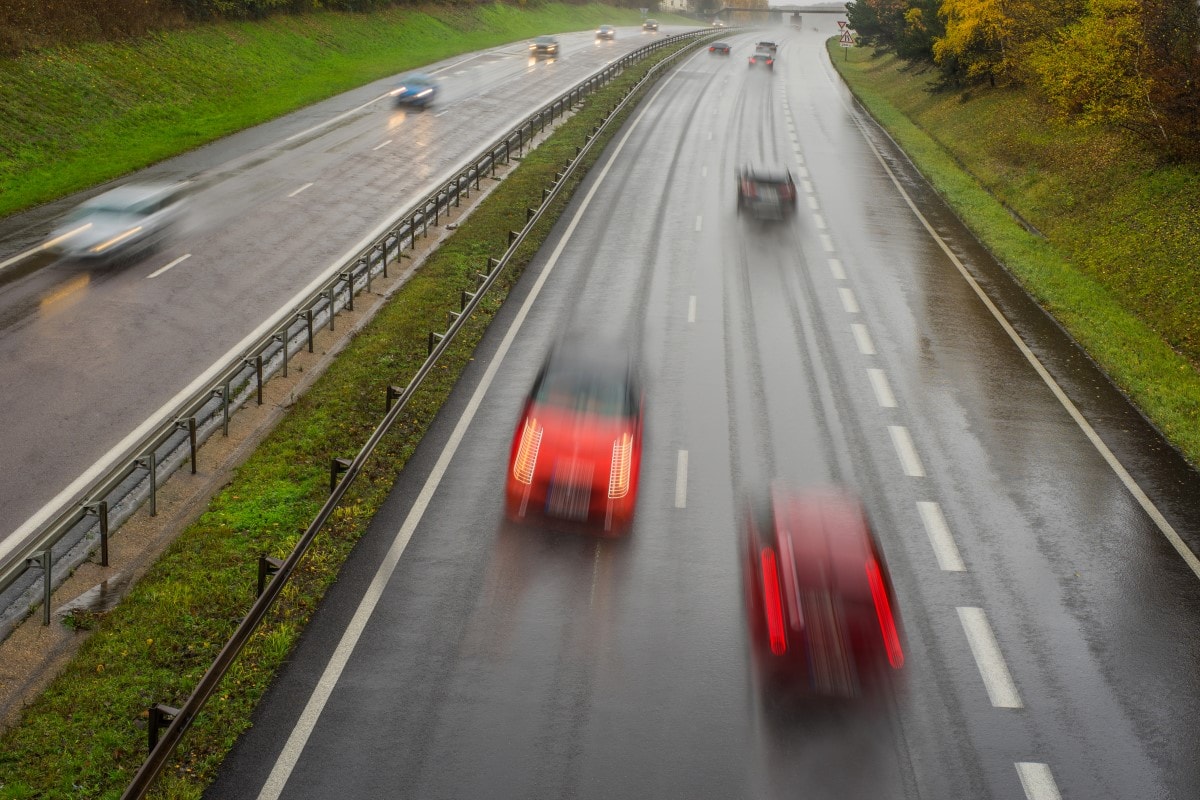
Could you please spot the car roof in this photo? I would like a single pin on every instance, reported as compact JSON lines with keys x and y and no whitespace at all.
{"x":545,"y":39}
{"x":765,"y":176}
{"x":720,"y":44}
{"x":419,"y":76}
{"x":132,"y":194}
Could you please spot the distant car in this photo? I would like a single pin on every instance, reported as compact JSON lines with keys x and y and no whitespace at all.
{"x":821,"y":608}
{"x":606,"y":32}
{"x":417,"y":89}
{"x":763,"y":57}
{"x":544,"y":46}
{"x":650,"y":25}
{"x":720,"y":48}
{"x":766,"y":195}
{"x":576,"y":451}
{"x":771,"y":47}
{"x":121,"y":222}
{"x":716,"y":23}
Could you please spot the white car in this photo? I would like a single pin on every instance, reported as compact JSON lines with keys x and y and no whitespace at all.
{"x":122,"y":221}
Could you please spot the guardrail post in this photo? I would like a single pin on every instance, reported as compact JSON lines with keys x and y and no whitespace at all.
{"x":223,"y":393}
{"x":332,"y":291}
{"x":512,"y":237}
{"x":256,"y":362}
{"x":267,"y":566}
{"x":434,"y":338}
{"x":493,"y":264}
{"x":282,"y":338}
{"x":393,"y":394}
{"x":366,"y":262}
{"x":336,"y":467}
{"x":383,"y":256}
{"x":43,"y":561}
{"x":451,"y":318}
{"x":465,"y":298}
{"x":160,"y":717}
{"x":189,"y":424}
{"x":150,"y":462}
{"x":100,"y":510}
{"x":307,"y":314}
{"x":348,"y":277}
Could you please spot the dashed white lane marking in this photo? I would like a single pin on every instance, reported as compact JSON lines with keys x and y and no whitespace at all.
{"x":704,"y":172}
{"x":381,"y":145}
{"x":1037,"y":781}
{"x":848,"y":300}
{"x":301,"y":189}
{"x":819,"y":221}
{"x":808,"y":187}
{"x":692,"y":308}
{"x":179,"y":260}
{"x":944,"y":548}
{"x":812,"y":203}
{"x":883,"y":390}
{"x":909,"y":459}
{"x":826,"y":243}
{"x":710,"y":136}
{"x":681,"y":480}
{"x":802,"y":172}
{"x":996,"y":679}
{"x":697,"y":224}
{"x":865,"y":345}
{"x":835,"y":267}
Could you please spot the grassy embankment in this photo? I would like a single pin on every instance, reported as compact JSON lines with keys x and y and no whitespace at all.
{"x":82,"y":738}
{"x":74,"y":117}
{"x":1116,"y":262}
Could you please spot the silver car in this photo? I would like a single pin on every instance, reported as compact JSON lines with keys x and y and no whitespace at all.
{"x":129,"y":219}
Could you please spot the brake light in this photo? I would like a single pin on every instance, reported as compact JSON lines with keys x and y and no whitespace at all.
{"x":527,"y":451}
{"x":772,"y":602}
{"x":622,"y":461}
{"x":749,"y":189}
{"x":883,"y":610}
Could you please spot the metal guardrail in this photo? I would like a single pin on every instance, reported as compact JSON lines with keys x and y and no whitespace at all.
{"x":49,"y":552}
{"x":178,"y":720}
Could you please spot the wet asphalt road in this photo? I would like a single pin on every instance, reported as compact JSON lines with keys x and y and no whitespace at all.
{"x":87,"y":353}
{"x":1052,"y":631}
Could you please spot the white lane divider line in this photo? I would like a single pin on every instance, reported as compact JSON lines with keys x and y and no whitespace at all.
{"x":697,"y":224}
{"x":819,"y":221}
{"x":940,"y":538}
{"x":802,"y":172}
{"x":179,"y":260}
{"x":883,"y":390}
{"x":1037,"y":781}
{"x":710,"y":136}
{"x":996,"y":679}
{"x":681,"y":480}
{"x":865,"y":345}
{"x":807,"y":185}
{"x":812,"y":203}
{"x":301,"y":189}
{"x":384,"y":144}
{"x":835,"y":266}
{"x":692,"y":308}
{"x":44,"y":246}
{"x":848,"y":300}
{"x":338,"y":118}
{"x":909,"y":459}
{"x":826,"y":243}
{"x":704,"y":172}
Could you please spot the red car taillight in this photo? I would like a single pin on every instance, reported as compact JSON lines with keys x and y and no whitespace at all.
{"x":883,"y":610}
{"x":772,"y":602}
{"x":527,"y":451}
{"x":622,"y":464}
{"x":748,"y":189}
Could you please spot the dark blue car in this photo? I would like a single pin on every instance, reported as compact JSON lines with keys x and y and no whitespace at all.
{"x":417,"y":89}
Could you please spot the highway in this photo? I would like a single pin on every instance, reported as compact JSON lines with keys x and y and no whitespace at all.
{"x":1032,"y":521}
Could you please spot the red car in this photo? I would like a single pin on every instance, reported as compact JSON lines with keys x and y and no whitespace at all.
{"x":577,"y":448}
{"x":823,"y":617}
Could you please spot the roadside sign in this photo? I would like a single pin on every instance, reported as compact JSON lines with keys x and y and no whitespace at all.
{"x":842,"y":24}
{"x":846,"y":40}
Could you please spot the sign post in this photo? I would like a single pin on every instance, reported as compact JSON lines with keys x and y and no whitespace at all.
{"x":846,"y":40}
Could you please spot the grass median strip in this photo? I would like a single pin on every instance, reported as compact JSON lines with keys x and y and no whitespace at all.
{"x":85,"y":736}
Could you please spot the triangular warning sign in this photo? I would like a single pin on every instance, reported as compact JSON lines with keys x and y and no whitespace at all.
{"x":842,"y":24}
{"x":847,"y":40}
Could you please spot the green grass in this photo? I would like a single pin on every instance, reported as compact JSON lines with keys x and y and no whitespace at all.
{"x":1116,"y":263}
{"x":73,"y":117}
{"x":80,"y":739}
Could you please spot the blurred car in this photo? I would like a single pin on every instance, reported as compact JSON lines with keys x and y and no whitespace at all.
{"x":822,"y":610}
{"x":763,"y":57}
{"x":417,"y":89}
{"x":766,"y":195}
{"x":718,"y":24}
{"x":606,"y":32}
{"x":770,"y":47}
{"x":650,"y":25}
{"x":576,"y":452}
{"x":720,"y":48}
{"x":121,"y":222}
{"x":544,"y":46}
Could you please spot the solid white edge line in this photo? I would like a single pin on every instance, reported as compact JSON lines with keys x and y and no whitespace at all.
{"x":940,"y":538}
{"x":681,"y":467}
{"x":1118,"y":469}
{"x":692,"y":308}
{"x":863,"y":339}
{"x":1037,"y":781}
{"x":996,"y":678}
{"x":161,"y":270}
{"x":848,"y":301}
{"x":290,"y":755}
{"x":907,"y":452}
{"x":338,"y":118}
{"x":43,"y":246}
{"x":883,"y":390}
{"x":298,"y":191}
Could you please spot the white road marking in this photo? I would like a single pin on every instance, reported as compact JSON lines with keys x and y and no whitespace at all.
{"x":848,"y":301}
{"x":301,"y":189}
{"x":909,"y":459}
{"x":865,"y":345}
{"x":692,"y":308}
{"x":697,"y":224}
{"x":835,"y":267}
{"x":443,"y":112}
{"x":996,"y":679}
{"x":44,"y":246}
{"x":704,"y":172}
{"x":710,"y":136}
{"x":812,"y":203}
{"x":800,"y":157}
{"x":1118,"y":469}
{"x":883,"y":390}
{"x":819,"y":221}
{"x":290,"y":755}
{"x":940,"y":538}
{"x":801,"y":171}
{"x":179,"y":260}
{"x":826,"y":242}
{"x":808,"y":187}
{"x":384,"y":144}
{"x":1037,"y":781}
{"x":338,"y":118}
{"x":681,"y":480}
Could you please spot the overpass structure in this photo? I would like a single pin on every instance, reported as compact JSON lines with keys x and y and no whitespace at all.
{"x":776,"y":15}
